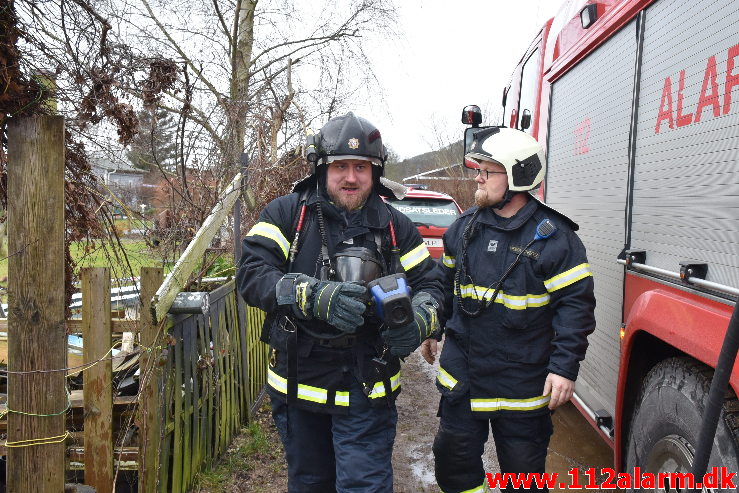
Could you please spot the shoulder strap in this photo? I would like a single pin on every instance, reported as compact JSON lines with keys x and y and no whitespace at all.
{"x":395,"y":265}
{"x":297,"y":225}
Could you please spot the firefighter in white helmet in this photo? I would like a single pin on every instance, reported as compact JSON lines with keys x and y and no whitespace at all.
{"x":519,"y":302}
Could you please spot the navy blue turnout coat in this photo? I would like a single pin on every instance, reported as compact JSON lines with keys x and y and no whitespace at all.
{"x":538,"y":323}
{"x":324,"y":371}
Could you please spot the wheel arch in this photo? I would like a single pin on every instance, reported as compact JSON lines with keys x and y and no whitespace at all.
{"x":674,"y":394}
{"x":646,"y":352}
{"x":661,"y":323}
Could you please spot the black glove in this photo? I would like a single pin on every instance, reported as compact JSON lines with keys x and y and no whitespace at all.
{"x":338,"y":303}
{"x":404,"y":340}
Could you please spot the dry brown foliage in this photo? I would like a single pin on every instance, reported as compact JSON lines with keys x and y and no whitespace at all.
{"x":269,"y":183}
{"x":26,"y":92}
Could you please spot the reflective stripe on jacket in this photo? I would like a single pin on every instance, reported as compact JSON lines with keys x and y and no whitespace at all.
{"x":538,"y":322}
{"x":325,"y":373}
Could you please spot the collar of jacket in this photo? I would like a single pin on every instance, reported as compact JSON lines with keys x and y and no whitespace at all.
{"x":374,"y":213}
{"x":487,"y":216}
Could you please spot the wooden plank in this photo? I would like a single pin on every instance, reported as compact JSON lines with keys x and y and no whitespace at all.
{"x":217,"y":369}
{"x":243,"y":355}
{"x":258,"y":352}
{"x":205,"y":382}
{"x":97,"y":391}
{"x":215,"y":386}
{"x":223,"y":378}
{"x":233,"y":329}
{"x":197,"y":447}
{"x":118,"y":326}
{"x":36,"y":338}
{"x":165,"y":454}
{"x":233,"y":324}
{"x":187,"y":404}
{"x":77,"y":399}
{"x":164,"y":476}
{"x":225,"y":383}
{"x":149,"y":417}
{"x":228,"y":379}
{"x":177,"y":452}
{"x":189,"y":259}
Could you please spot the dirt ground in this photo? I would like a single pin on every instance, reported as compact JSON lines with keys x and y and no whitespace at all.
{"x":574,"y":443}
{"x":413,"y":461}
{"x":267,"y":473}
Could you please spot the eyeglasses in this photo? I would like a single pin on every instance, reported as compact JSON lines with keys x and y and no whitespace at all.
{"x":479,"y":171}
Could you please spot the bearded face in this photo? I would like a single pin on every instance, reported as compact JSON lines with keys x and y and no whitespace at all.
{"x":481,"y":199}
{"x":349,"y":182}
{"x":492,"y":183}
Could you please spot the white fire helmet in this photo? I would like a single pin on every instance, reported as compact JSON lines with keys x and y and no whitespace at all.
{"x":518,"y":152}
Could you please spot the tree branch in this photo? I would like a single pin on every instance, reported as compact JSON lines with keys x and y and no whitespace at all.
{"x":103,"y":22}
{"x":180,"y":51}
{"x":202,"y":119}
{"x":223,"y":26}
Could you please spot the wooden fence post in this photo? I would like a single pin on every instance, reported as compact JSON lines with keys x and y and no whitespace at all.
{"x":97,"y":390}
{"x":149,"y":419}
{"x":37,"y":341}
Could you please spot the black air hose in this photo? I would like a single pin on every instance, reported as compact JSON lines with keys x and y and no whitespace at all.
{"x":716,"y":396}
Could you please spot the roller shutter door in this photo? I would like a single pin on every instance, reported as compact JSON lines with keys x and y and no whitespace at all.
{"x":686,"y":181}
{"x":587,"y":180}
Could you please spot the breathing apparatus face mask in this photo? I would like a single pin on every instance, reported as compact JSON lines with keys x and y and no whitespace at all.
{"x":357,"y":264}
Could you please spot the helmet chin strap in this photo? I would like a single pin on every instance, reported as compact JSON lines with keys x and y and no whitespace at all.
{"x":507,"y":196}
{"x":321,"y":177}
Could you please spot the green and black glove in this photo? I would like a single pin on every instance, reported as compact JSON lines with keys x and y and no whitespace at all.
{"x":338,"y":303}
{"x":404,"y":340}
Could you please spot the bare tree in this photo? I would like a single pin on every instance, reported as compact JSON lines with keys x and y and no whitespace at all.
{"x":237,"y":76}
{"x":256,"y":69}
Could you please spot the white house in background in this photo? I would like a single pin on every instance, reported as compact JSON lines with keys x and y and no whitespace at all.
{"x":119,"y":176}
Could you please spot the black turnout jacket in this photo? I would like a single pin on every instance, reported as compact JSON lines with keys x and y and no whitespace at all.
{"x":324,"y":370}
{"x":539,"y":321}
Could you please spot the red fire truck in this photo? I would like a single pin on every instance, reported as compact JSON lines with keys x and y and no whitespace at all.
{"x":637,"y":105}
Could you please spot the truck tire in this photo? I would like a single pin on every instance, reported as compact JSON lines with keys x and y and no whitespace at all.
{"x":667,"y":420}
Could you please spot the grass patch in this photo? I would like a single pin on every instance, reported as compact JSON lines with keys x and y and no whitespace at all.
{"x":136,"y":251}
{"x":254,"y":460}
{"x":251,"y":442}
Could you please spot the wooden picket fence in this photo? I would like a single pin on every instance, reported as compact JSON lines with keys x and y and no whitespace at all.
{"x":207,"y":372}
{"x":199,"y":374}
{"x":214,"y":370}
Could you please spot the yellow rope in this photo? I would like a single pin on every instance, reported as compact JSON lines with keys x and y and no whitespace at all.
{"x":37,"y":441}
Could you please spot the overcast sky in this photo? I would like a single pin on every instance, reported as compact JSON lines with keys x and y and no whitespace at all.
{"x":450,"y":54}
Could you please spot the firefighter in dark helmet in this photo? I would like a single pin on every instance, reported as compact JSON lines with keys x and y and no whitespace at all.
{"x":309,"y":262}
{"x":519,"y":300}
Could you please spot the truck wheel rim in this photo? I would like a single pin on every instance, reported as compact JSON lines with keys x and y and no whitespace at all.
{"x":670,"y":454}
